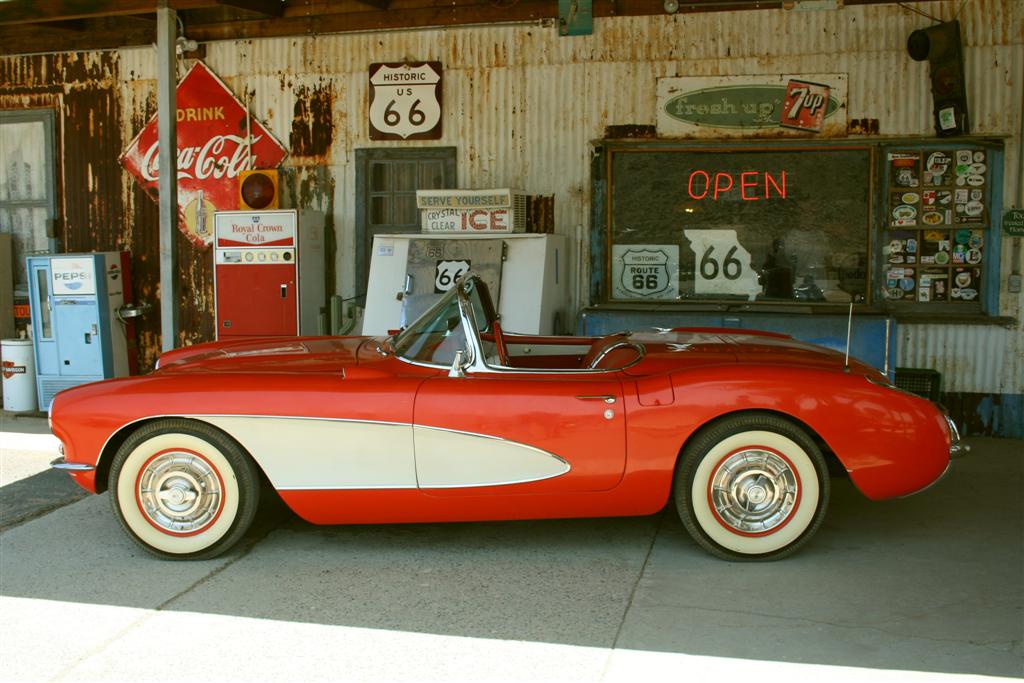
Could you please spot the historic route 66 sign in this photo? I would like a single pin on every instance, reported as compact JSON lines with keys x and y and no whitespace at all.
{"x":447,"y":272}
{"x":405,"y":101}
{"x":645,"y":271}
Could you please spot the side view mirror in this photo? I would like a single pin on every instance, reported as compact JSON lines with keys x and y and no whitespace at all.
{"x":457,"y":363}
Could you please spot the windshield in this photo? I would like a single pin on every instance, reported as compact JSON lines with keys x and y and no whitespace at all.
{"x":435,"y":336}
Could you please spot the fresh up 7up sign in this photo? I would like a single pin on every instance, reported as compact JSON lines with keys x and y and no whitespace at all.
{"x":752,"y":106}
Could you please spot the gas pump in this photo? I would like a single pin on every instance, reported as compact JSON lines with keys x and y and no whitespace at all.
{"x":82,"y":328}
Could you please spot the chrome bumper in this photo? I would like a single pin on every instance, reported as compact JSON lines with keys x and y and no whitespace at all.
{"x":65,"y":466}
{"x":957,"y":448}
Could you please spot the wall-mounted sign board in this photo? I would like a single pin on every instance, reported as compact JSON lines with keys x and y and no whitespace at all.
{"x":752,"y":106}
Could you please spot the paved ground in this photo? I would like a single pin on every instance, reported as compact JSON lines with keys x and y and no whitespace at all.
{"x":925,"y":588}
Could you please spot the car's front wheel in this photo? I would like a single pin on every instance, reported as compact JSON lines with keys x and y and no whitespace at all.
{"x":752,"y":487}
{"x":183,"y":489}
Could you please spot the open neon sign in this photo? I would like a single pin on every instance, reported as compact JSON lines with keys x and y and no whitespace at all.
{"x":751,"y":185}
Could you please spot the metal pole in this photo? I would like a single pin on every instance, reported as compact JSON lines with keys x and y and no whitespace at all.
{"x":167,"y":123}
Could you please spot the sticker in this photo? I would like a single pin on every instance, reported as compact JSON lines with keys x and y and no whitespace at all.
{"x":944,"y":197}
{"x":907,"y":284}
{"x":924,"y":293}
{"x":962,"y":196}
{"x":648,"y":271}
{"x":942,"y":258}
{"x":975,"y":180}
{"x":974,"y":256}
{"x":904,"y":169}
{"x":967,"y":294}
{"x":911,"y":259}
{"x":961,"y":180}
{"x":927,"y":260}
{"x":904,"y":214}
{"x":976,"y":195}
{"x":896,"y":246}
{"x":911,"y":246}
{"x":894,"y":293}
{"x":934,"y":235}
{"x":931,"y":218}
{"x":385,"y":250}
{"x":447,"y":272}
{"x":979,"y":156}
{"x":896,"y":258}
{"x":977,"y":169}
{"x":963,"y":278}
{"x":964,"y":157}
{"x":929,"y":197}
{"x":938,"y":162}
{"x":976,"y":240}
{"x":962,"y":236}
{"x":910,"y":198}
{"x":959,"y":255}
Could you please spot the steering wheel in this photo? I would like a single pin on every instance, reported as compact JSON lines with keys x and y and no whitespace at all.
{"x":611,"y":347}
{"x":499,"y":344}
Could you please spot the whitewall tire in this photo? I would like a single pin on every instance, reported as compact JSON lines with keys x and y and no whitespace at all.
{"x":183,"y":489}
{"x":752,"y":487}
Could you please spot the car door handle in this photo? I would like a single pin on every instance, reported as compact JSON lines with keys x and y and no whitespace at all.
{"x":607,"y":398}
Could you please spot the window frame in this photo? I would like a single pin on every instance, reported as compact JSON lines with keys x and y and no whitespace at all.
{"x":988,"y":310}
{"x":47,"y":117}
{"x":364,"y":230}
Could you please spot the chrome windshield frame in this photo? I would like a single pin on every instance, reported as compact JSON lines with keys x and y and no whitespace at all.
{"x":477,"y":363}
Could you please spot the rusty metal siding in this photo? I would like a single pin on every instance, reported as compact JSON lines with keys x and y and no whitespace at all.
{"x":523,"y":106}
{"x":971,"y":358}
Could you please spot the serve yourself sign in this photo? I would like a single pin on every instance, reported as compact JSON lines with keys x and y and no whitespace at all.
{"x":214,"y":147}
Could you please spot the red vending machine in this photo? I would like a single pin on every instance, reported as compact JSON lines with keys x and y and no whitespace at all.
{"x":256,"y":273}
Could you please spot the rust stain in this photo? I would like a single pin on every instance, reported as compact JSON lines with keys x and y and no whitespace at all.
{"x":312,"y":121}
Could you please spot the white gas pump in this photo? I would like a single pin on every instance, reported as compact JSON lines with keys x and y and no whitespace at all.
{"x":526,"y":273}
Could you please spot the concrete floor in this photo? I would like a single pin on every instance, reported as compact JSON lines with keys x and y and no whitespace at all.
{"x":926,"y":588}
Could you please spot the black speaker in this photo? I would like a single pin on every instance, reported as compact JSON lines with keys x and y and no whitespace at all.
{"x":940,"y":45}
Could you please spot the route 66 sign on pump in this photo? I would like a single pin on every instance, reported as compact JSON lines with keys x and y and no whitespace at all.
{"x":405,"y":101}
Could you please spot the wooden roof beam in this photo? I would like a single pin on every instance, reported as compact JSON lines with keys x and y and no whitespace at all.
{"x":41,"y":11}
{"x":268,"y":8}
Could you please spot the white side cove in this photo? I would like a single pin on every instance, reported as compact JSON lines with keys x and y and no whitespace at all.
{"x":304,"y":453}
{"x":317,"y":453}
{"x":449,"y":459}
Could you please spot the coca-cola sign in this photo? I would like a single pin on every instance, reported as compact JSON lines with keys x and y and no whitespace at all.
{"x":213,"y":149}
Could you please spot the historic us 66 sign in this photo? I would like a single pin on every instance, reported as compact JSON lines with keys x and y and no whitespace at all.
{"x":405,"y":101}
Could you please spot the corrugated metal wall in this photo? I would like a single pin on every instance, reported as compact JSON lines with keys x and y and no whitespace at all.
{"x":522,"y":106}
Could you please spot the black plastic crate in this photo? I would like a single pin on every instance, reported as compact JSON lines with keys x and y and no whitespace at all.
{"x":920,"y":381}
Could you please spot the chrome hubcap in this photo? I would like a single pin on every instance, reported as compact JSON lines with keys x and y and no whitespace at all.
{"x":754,"y":491}
{"x":180,"y":492}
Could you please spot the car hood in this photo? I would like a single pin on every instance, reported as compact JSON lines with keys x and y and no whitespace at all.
{"x":667,"y":350}
{"x":268,"y":354}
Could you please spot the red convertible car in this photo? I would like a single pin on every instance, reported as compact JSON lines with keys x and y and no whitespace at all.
{"x":453,"y":419}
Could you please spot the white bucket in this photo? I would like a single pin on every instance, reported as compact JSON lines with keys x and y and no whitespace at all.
{"x":18,"y":367}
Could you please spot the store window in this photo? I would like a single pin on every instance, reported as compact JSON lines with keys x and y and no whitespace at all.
{"x":386,"y":184}
{"x":26,"y":185}
{"x":904,"y":227}
{"x":740,"y":224}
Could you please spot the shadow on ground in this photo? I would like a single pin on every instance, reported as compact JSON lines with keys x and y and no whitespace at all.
{"x":928,"y":583}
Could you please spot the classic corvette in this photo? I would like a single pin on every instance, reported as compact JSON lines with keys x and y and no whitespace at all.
{"x":454,"y":419}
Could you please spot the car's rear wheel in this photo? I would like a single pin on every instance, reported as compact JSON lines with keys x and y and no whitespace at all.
{"x":183,"y":489}
{"x":752,"y":487}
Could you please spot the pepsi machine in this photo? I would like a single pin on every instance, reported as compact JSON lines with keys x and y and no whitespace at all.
{"x":82,"y":329}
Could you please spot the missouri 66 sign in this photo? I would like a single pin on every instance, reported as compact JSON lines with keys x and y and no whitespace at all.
{"x":405,"y":101}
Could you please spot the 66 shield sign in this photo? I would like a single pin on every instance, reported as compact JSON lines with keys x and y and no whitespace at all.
{"x":405,"y":101}
{"x":645,"y":271}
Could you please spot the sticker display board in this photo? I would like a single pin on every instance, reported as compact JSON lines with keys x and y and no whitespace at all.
{"x":937,"y":217}
{"x":749,"y":224}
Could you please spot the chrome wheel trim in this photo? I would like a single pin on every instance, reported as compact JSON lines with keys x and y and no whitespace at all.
{"x":754,"y":491}
{"x":728,"y":538}
{"x":179,"y":492}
